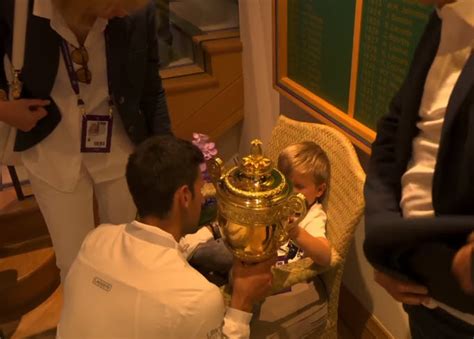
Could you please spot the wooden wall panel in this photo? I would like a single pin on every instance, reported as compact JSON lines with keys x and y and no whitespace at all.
{"x":210,"y":102}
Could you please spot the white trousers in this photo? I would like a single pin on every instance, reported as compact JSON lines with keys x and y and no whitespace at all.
{"x":70,"y":215}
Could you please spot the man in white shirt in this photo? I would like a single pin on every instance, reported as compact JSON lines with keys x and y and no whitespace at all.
{"x":419,"y":189}
{"x":133,"y":281}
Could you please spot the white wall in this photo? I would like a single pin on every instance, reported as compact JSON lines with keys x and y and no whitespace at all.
{"x":261,"y":101}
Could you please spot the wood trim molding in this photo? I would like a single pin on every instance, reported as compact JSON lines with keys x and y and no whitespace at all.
{"x":179,"y":71}
{"x":361,"y":135}
{"x":190,"y":83}
{"x":232,"y":33}
{"x":210,"y":102}
{"x":322,"y":118}
{"x":223,"y":46}
{"x":360,"y":322}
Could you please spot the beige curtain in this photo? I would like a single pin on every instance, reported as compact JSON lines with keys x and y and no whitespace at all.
{"x":261,"y":101}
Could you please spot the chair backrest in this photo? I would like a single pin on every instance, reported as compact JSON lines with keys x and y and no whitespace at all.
{"x":344,"y":201}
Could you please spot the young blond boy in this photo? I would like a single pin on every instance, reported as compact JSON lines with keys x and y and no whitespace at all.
{"x":307,"y":168}
{"x":300,"y":311}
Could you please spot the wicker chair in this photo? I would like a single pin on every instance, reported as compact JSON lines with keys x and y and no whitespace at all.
{"x":344,"y":204}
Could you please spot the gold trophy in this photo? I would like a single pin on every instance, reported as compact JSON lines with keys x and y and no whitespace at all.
{"x":255,"y":205}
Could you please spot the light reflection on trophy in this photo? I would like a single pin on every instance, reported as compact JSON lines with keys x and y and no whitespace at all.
{"x":255,"y":205}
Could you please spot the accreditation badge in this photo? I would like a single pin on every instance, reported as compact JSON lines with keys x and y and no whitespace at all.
{"x":96,"y":133}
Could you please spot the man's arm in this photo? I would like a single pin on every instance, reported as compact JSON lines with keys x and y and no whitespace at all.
{"x":388,"y":160}
{"x":153,"y":102}
{"x":251,"y":283}
{"x":211,"y":319}
{"x":383,"y":186}
{"x":382,"y":195}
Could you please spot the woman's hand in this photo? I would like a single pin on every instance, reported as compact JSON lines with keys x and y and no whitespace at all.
{"x":23,"y":113}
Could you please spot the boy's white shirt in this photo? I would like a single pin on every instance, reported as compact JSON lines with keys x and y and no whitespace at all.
{"x":314,"y":223}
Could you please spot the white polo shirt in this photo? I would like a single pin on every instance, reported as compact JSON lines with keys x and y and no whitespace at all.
{"x":132,"y":281}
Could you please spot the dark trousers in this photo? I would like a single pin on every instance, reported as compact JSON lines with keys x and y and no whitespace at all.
{"x":436,"y":324}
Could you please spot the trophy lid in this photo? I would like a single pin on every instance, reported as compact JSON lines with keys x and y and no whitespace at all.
{"x":254,"y":181}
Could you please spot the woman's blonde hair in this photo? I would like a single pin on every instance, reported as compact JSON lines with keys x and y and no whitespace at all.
{"x":307,"y":158}
{"x":74,"y":11}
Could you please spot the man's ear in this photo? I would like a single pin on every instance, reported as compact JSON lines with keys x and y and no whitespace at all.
{"x":183,"y":196}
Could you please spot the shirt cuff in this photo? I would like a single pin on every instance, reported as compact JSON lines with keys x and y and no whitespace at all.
{"x":236,"y":324}
{"x":238,"y":316}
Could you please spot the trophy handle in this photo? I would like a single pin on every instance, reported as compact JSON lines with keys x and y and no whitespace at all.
{"x":295,"y":206}
{"x":214,"y":168}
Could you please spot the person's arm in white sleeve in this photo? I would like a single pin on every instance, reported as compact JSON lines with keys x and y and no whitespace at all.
{"x":236,"y":324}
{"x":189,"y":242}
{"x":250,"y":284}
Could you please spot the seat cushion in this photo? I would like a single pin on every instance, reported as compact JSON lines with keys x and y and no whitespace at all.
{"x":296,"y":313}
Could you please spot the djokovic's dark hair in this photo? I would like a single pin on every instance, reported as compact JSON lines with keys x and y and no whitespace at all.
{"x":157,"y":168}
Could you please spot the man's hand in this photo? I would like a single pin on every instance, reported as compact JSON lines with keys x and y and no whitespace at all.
{"x":251,"y":283}
{"x":24,"y":113}
{"x":462,"y":266}
{"x":402,"y":291}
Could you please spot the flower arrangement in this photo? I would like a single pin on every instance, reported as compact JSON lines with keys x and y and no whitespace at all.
{"x":209,"y":150}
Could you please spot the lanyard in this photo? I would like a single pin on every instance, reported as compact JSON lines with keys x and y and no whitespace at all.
{"x":73,"y":76}
{"x":20,"y":19}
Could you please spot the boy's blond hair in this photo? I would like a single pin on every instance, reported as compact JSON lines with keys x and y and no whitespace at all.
{"x":305,"y":157}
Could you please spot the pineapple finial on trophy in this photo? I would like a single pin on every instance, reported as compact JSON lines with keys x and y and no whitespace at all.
{"x":256,"y":164}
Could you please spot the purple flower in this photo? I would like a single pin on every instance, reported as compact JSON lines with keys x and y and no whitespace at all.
{"x":208,"y":149}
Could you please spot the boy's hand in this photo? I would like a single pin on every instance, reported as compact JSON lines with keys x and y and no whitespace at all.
{"x":293,"y":228}
{"x":462,"y":266}
{"x":402,"y":291}
{"x":251,"y":283}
